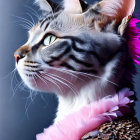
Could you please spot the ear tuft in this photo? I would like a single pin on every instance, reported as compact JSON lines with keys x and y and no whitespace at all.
{"x":117,"y":8}
{"x":72,"y":6}
{"x":124,"y":24}
{"x":44,"y":5}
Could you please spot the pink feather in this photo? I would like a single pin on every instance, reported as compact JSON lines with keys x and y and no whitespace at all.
{"x":77,"y":124}
{"x":134,"y":40}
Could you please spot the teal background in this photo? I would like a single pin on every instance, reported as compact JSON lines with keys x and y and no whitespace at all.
{"x":21,"y":117}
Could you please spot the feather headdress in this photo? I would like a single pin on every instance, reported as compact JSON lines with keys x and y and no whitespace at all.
{"x":134,"y":40}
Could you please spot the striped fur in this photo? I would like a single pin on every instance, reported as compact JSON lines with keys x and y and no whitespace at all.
{"x":88,"y":60}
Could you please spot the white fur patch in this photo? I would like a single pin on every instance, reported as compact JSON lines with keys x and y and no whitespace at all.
{"x":72,"y":6}
{"x":108,"y":71}
{"x":44,"y":5}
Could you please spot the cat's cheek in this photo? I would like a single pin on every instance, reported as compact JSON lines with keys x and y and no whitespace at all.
{"x":28,"y":81}
{"x":46,"y":86}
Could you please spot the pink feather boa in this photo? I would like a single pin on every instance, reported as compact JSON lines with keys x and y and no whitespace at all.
{"x":77,"y":124}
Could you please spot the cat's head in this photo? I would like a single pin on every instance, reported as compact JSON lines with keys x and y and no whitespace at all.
{"x":75,"y":44}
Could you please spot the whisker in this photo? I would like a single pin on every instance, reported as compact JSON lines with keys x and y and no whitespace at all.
{"x":95,"y":76}
{"x":50,"y":80}
{"x":60,"y":78}
{"x":12,"y":82}
{"x":39,"y":76}
{"x":25,"y":26}
{"x":83,"y":74}
{"x":17,"y":86}
{"x":33,"y":11}
{"x":27,"y":106}
{"x":31,"y":18}
{"x":26,"y":21}
{"x":73,"y":90}
{"x":67,"y":72}
{"x":9,"y":74}
{"x":35,"y":80}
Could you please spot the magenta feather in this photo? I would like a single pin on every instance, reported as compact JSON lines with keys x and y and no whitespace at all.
{"x":134,"y":40}
{"x":77,"y":124}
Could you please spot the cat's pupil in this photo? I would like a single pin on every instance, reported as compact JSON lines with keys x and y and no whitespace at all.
{"x":49,"y":40}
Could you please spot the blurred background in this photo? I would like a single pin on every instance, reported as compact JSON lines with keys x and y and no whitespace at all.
{"x":22,"y":116}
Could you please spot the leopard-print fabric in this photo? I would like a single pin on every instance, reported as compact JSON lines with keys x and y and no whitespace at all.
{"x":127,"y":128}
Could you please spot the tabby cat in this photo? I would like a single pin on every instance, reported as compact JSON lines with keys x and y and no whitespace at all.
{"x":78,"y":51}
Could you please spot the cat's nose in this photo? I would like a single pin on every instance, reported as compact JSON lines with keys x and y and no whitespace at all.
{"x":21,"y":53}
{"x":18,"y":57}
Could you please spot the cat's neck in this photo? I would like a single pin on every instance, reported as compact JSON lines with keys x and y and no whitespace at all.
{"x":88,"y":94}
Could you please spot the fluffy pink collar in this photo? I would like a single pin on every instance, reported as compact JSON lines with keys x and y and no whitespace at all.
{"x":77,"y":124}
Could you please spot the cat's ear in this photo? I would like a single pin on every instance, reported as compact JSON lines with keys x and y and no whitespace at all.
{"x":117,"y":9}
{"x":73,"y":6}
{"x":47,"y":5}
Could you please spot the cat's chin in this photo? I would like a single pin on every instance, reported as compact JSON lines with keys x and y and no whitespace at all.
{"x":29,"y":81}
{"x":53,"y":81}
{"x":39,"y":84}
{"x":35,"y":83}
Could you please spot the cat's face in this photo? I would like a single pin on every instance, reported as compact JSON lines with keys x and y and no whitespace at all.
{"x":67,"y":47}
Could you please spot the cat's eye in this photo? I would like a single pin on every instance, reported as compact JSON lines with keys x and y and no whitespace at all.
{"x":49,"y":39}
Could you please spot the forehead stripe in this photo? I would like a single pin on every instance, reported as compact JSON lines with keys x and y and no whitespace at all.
{"x":57,"y":58}
{"x":80,"y":61}
{"x":47,"y":26}
{"x":68,"y":66}
{"x":50,"y":17}
{"x":45,"y":20}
